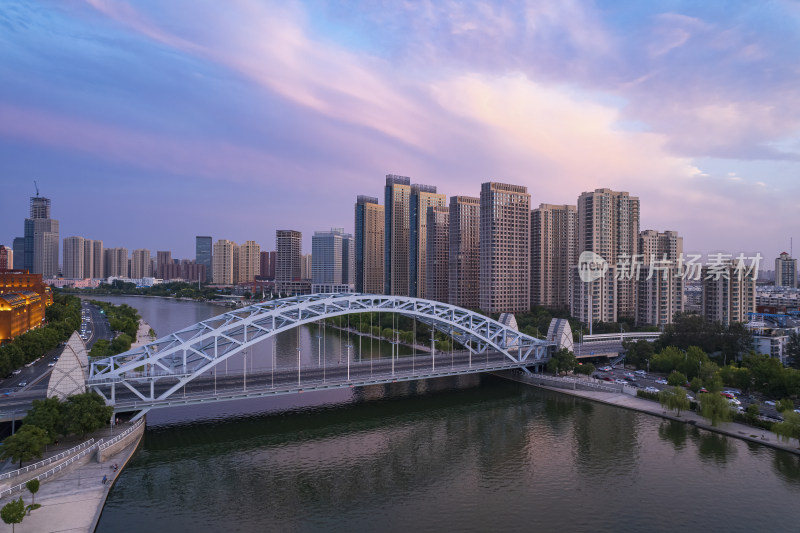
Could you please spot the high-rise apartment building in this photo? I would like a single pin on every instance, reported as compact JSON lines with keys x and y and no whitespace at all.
{"x":660,"y":284}
{"x":88,"y":258}
{"x":163,"y":264}
{"x":141,"y":266}
{"x":249,"y":262}
{"x":785,"y":271}
{"x":74,"y":258}
{"x":306,"y":266}
{"x":202,"y":255}
{"x":608,"y":225}
{"x":729,"y":292}
{"x":464,"y":251}
{"x":98,"y":259}
{"x":437,"y":273}
{"x":333,"y":255}
{"x":223,"y":256}
{"x":423,"y":197}
{"x":116,"y":262}
{"x":553,"y":253}
{"x":369,"y":242}
{"x":288,"y":256}
{"x":397,"y":206}
{"x":505,"y":248}
{"x":41,"y":240}
{"x":6,"y":258}
{"x":265,"y":265}
{"x":18,"y":247}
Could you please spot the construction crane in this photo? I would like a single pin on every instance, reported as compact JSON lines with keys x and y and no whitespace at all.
{"x":37,"y":187}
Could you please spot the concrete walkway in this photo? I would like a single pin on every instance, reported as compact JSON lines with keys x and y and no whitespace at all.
{"x":142,"y":336}
{"x":731,"y":429}
{"x":72,"y":502}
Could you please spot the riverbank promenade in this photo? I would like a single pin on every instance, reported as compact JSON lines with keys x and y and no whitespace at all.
{"x":72,"y":501}
{"x":628,"y":401}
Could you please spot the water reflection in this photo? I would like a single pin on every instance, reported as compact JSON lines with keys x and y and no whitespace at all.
{"x":674,"y":432}
{"x":787,"y":465}
{"x":713,"y":447}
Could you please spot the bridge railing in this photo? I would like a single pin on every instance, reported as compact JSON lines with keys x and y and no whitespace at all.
{"x":52,"y":471}
{"x":106,"y":444}
{"x":358,"y":380}
{"x":45,"y":462}
{"x":594,"y":384}
{"x":622,"y":336}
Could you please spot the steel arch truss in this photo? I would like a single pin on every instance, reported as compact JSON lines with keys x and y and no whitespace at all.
{"x":193,"y":351}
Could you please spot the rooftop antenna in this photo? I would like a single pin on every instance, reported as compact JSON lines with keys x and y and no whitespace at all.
{"x":37,"y":187}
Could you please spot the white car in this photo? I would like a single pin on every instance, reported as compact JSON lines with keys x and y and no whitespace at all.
{"x":770,"y":403}
{"x":621,"y":381}
{"x":734,"y":401}
{"x":661,"y":381}
{"x":640,"y":373}
{"x":651,"y":389}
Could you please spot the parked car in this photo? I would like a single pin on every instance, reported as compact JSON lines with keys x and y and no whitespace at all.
{"x":728,"y":395}
{"x":641,"y":372}
{"x":621,"y":381}
{"x":651,"y":389}
{"x":605,"y":369}
{"x":702,"y":389}
{"x":734,"y":401}
{"x":770,"y":403}
{"x":661,"y":381}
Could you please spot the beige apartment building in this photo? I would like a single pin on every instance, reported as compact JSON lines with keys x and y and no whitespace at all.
{"x":224,"y":262}
{"x":660,"y":284}
{"x":115,"y":262}
{"x":553,"y":253}
{"x":369,"y":237}
{"x":438,"y":252}
{"x":288,"y":245}
{"x":141,"y":265}
{"x":608,"y":225}
{"x":464,"y":252}
{"x":74,"y":252}
{"x":504,"y":248}
{"x":729,"y":292}
{"x":397,"y":237}
{"x":249,"y":262}
{"x":423,"y":198}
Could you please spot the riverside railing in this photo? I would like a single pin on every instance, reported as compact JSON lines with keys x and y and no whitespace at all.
{"x":45,"y":462}
{"x":52,"y":471}
{"x":106,"y":444}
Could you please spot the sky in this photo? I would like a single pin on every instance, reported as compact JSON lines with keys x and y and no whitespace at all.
{"x":149,"y":122}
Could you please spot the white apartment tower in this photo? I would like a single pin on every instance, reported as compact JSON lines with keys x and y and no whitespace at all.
{"x":74,"y":258}
{"x":785,"y":271}
{"x":729,"y":292}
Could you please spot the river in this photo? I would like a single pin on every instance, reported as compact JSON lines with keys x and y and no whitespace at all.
{"x":463,"y":454}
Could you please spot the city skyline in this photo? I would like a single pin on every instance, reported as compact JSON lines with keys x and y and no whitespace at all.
{"x":276,"y":116}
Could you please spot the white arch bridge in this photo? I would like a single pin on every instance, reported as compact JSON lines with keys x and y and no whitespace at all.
{"x":177,"y":369}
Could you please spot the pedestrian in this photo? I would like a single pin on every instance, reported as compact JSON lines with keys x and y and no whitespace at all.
{"x":105,"y":479}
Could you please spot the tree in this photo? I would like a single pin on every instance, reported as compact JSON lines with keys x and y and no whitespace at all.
{"x":674,"y":399}
{"x":676,"y":379}
{"x":784,"y":405}
{"x":562,"y":361}
{"x":13,"y":512}
{"x":789,"y":428}
{"x":793,"y":350}
{"x":715,"y":408}
{"x":46,"y":414}
{"x":696,"y":384}
{"x":33,"y":488}
{"x":585,"y":368}
{"x":25,"y":444}
{"x":86,"y":412}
